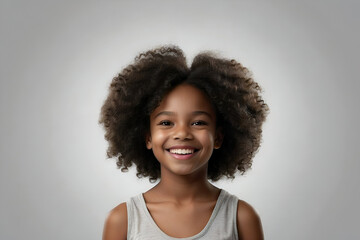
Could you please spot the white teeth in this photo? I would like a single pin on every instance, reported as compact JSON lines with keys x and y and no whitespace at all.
{"x":182,"y":151}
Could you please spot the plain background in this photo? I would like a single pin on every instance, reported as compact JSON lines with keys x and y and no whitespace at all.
{"x":58,"y":58}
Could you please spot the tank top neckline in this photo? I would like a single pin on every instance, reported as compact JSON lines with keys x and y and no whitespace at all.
{"x":201,"y":233}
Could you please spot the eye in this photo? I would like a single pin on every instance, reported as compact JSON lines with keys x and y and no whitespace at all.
{"x":199,"y":123}
{"x":165,"y":123}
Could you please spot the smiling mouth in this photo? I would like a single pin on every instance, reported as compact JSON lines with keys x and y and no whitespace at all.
{"x":182,"y":151}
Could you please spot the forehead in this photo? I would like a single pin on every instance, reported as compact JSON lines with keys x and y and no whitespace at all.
{"x":185,"y":98}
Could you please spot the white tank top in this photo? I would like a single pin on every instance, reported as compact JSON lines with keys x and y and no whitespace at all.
{"x":221,"y":225}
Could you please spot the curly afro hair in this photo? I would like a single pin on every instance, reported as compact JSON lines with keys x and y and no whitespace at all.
{"x":140,"y":87}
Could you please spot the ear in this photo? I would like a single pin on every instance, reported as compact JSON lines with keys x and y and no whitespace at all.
{"x":219,"y":137}
{"x":148,"y":141}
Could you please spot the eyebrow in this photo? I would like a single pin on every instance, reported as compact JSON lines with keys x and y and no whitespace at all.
{"x":195,"y":113}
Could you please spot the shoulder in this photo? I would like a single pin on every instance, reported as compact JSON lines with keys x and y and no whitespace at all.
{"x":115,"y":227}
{"x":248,"y":222}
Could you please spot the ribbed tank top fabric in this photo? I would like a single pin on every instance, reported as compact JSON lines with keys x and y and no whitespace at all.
{"x":221,"y":225}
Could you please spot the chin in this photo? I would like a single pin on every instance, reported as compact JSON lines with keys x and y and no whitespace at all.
{"x":184,"y":171}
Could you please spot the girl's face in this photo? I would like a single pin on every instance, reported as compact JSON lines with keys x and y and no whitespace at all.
{"x":183,"y":131}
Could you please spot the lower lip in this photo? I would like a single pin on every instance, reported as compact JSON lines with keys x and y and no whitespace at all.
{"x":182,"y":157}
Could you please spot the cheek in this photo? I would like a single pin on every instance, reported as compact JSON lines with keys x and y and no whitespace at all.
{"x":207,"y":139}
{"x":158,"y":138}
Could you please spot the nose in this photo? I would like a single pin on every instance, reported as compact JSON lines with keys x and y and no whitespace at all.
{"x":182,"y":132}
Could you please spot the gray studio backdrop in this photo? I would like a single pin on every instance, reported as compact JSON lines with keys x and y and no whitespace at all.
{"x":58,"y":58}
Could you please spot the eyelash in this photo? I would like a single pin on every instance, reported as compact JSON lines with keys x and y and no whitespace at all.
{"x":199,"y":123}
{"x":196,"y":123}
{"x":164,"y":123}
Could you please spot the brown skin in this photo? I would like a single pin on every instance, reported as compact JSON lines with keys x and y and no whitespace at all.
{"x":183,"y":201}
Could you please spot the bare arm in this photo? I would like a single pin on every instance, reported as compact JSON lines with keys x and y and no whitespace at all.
{"x":115,"y":227}
{"x":248,"y":223}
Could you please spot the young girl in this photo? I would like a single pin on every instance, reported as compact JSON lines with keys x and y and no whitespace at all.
{"x":184,"y":126}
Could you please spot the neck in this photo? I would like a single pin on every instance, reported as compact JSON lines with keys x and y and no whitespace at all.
{"x":184,"y":188}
